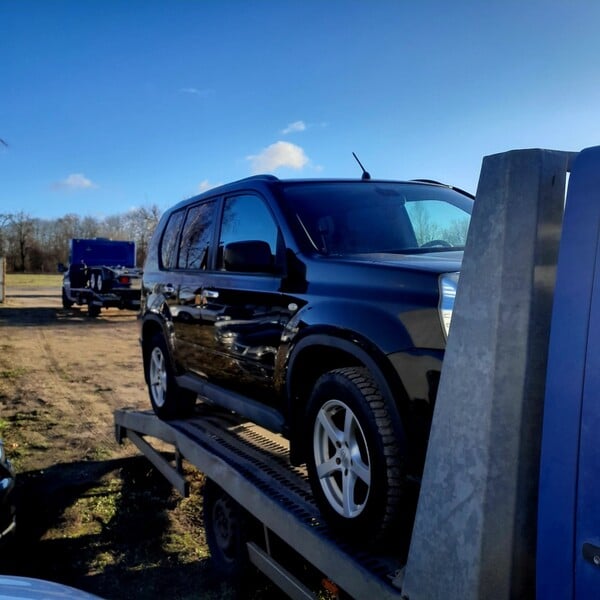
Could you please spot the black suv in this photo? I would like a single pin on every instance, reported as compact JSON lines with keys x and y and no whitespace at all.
{"x":318,"y":309}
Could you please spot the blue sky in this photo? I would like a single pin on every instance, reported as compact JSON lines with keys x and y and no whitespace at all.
{"x":108,"y":105}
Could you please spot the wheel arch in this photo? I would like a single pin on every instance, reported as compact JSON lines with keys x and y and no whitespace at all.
{"x":319,"y":353}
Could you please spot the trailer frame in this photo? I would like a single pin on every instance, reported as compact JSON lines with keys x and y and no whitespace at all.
{"x":251,"y":465}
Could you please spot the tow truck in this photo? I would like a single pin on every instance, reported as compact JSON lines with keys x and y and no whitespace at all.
{"x":101,"y":273}
{"x":509,"y":502}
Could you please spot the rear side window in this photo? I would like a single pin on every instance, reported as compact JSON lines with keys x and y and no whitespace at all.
{"x":196,"y":236}
{"x":168,"y":246}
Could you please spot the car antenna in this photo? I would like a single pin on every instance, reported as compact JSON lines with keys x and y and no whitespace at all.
{"x":365,"y":174}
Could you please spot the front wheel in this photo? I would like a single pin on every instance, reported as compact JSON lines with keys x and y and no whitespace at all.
{"x":169,"y":401}
{"x":354,"y":463}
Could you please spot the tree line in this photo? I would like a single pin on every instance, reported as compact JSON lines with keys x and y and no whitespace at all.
{"x":38,"y":245}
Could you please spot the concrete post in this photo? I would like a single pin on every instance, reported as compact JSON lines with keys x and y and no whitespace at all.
{"x":474,"y":535}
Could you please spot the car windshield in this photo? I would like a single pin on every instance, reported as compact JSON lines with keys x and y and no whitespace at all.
{"x":361,"y":217}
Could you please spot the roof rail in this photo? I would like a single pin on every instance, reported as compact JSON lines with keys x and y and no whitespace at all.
{"x":452,"y":187}
{"x":263,"y":176}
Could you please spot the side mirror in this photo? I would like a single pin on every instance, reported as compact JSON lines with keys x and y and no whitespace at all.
{"x":253,"y":256}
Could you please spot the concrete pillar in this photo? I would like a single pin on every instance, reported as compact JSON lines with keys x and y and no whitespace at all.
{"x":474,"y":535}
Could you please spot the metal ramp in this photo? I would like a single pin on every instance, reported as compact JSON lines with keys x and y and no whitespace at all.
{"x":251,"y":465}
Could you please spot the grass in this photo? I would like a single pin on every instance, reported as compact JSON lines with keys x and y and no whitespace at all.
{"x":33,"y":280}
{"x":13,"y":373}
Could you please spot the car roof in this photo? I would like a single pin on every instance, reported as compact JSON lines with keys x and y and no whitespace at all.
{"x":267,"y":180}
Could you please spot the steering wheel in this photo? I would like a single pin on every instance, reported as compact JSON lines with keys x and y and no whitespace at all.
{"x":436,"y":243}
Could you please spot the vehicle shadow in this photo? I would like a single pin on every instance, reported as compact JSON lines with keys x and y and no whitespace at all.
{"x":118,"y":538}
{"x":39,"y":316}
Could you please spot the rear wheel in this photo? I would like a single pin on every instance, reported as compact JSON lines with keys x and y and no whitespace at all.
{"x":93,"y":310}
{"x":226,"y":534}
{"x":168,"y":400}
{"x":354,"y":462}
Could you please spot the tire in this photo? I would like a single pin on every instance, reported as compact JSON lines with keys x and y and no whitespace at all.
{"x":65,"y":300}
{"x":169,"y":401}
{"x":225,"y":524}
{"x":93,"y":310}
{"x":354,"y":461}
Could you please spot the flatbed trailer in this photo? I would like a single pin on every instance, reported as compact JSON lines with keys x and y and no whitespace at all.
{"x":128,"y":298}
{"x":251,"y":465}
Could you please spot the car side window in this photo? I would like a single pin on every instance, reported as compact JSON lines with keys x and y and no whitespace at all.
{"x":168,"y":245}
{"x":246,"y":218}
{"x":195,"y":239}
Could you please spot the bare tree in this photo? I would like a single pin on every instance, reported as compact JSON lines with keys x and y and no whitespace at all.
{"x":21,"y":234}
{"x":39,"y":244}
{"x":4,"y":221}
{"x":140,"y":223}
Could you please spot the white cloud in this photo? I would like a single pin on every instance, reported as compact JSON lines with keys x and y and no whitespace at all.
{"x":75,"y":181}
{"x":279,"y":154}
{"x":206,"y":185}
{"x":294,"y":127}
{"x":196,"y":92}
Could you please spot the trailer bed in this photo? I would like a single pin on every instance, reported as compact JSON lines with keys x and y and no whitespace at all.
{"x":251,"y":464}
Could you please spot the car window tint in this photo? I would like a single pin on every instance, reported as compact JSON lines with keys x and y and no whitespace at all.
{"x":196,"y":236}
{"x":168,"y":246}
{"x":247,"y":218}
{"x":372,"y":217}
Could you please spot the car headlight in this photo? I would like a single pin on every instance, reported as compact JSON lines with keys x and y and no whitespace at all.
{"x":448,"y":284}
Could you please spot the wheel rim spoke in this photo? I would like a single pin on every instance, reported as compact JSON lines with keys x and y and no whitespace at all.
{"x":358,"y":466}
{"x":330,"y":430}
{"x":327,"y":468}
{"x":349,"y":484}
{"x":158,"y":376}
{"x":349,"y":423}
{"x":361,"y":470}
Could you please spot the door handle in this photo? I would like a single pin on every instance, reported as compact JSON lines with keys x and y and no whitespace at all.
{"x":591,"y":553}
{"x":210,"y":294}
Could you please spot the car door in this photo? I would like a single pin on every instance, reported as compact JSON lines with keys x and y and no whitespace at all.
{"x":243,"y":305}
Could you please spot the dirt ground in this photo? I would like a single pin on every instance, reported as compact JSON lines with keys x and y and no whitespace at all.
{"x":91,"y":513}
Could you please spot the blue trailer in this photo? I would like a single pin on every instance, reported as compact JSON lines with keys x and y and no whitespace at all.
{"x":101,"y":273}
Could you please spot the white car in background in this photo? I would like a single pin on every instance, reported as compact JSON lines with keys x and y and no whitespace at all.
{"x":27,"y":588}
